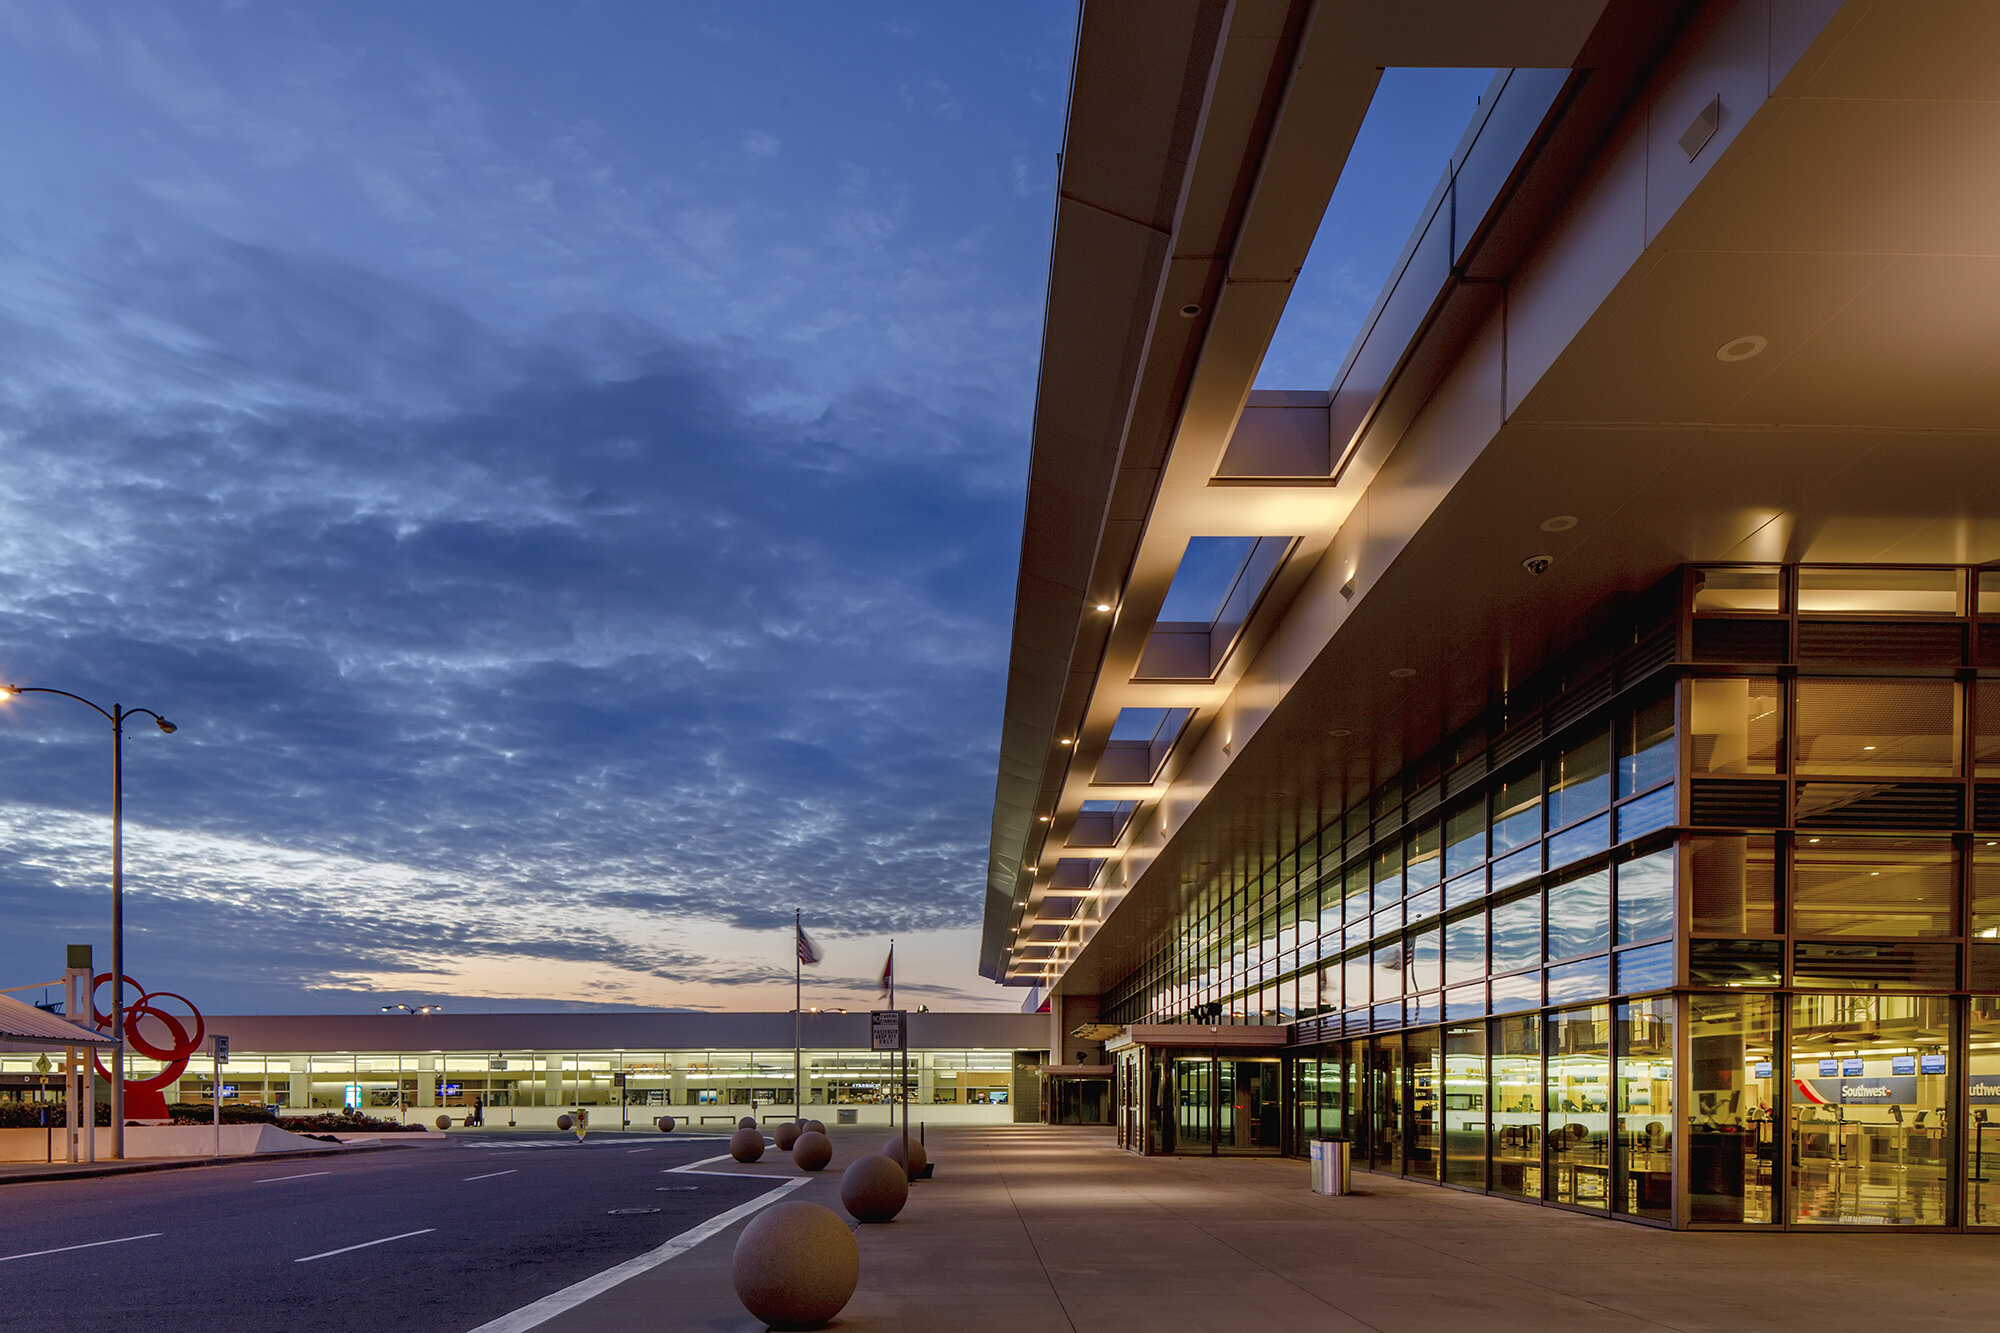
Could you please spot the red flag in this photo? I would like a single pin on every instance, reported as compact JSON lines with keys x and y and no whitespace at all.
{"x":889,"y":973}
{"x":808,"y":951}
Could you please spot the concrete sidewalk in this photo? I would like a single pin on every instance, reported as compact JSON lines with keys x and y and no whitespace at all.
{"x":1039,"y":1228}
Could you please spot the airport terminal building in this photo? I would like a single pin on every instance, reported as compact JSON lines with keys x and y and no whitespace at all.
{"x":1562,"y":757}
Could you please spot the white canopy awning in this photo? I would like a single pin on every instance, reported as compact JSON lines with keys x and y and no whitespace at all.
{"x":26,"y":1028}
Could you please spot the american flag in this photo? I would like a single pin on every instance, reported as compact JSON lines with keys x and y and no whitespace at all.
{"x":808,"y":951}
{"x":889,"y":972}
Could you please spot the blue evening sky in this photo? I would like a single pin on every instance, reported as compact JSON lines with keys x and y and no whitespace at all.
{"x":561,"y":467}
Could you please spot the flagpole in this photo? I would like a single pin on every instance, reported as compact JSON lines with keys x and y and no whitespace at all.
{"x":798,"y":1020}
{"x":903,"y":1083}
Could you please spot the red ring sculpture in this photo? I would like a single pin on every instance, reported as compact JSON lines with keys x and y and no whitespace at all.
{"x":145,"y":1098}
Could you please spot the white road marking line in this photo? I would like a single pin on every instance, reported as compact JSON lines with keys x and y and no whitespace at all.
{"x":638,"y":1150}
{"x":696,"y":1166}
{"x":87,"y":1245}
{"x":328,"y":1254}
{"x":490,"y":1174}
{"x":272,"y":1180}
{"x":547,"y":1308}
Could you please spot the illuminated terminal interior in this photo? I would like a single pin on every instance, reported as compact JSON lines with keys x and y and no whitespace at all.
{"x":1556,"y":754}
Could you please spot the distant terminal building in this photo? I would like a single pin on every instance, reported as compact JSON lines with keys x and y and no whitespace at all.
{"x":627,"y":1068}
{"x":1557,"y":751}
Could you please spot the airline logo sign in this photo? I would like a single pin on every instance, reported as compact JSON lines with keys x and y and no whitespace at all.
{"x":1863,"y":1090}
{"x":1984,"y":1090}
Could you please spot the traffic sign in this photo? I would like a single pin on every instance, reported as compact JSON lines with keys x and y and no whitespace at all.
{"x":885,"y":1030}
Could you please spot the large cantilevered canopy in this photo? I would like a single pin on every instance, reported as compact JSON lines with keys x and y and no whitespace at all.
{"x":26,"y":1028}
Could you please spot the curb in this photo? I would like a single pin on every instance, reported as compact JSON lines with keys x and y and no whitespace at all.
{"x":103,"y":1169}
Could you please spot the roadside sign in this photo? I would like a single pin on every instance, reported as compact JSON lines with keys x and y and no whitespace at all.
{"x":221,"y":1049}
{"x":885,"y":1030}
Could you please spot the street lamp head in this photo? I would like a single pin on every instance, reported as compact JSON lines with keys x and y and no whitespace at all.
{"x":166,"y":726}
{"x":8,"y":691}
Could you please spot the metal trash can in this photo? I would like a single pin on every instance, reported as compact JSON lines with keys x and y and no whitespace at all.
{"x":844,"y":1116}
{"x":1329,"y":1167}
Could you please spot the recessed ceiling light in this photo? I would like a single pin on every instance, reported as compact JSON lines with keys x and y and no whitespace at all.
{"x":1104,"y":606}
{"x":1341,"y":733}
{"x":1190,"y":310}
{"x":1867,"y":747}
{"x":1812,"y":839}
{"x":1742,"y":349}
{"x":1043,"y":818}
{"x":1402,"y":673}
{"x":1560,"y":523}
{"x":1068,"y":741}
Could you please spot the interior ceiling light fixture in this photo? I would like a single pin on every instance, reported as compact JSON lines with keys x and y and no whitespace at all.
{"x":1341,"y":733}
{"x":1190,"y":310}
{"x":1742,"y":349}
{"x":1068,"y":741}
{"x":1402,"y":673}
{"x":1104,"y":606}
{"x":1560,"y":523}
{"x":1043,"y":818}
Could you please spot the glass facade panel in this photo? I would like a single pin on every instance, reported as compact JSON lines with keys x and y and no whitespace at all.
{"x":1385,"y":1103}
{"x":1426,"y":959}
{"x":1645,"y":1113}
{"x":1517,"y":812}
{"x":1424,"y":858}
{"x":1985,"y":919}
{"x":1869,"y":1079}
{"x":1465,"y":835}
{"x":1885,"y":728}
{"x":1734,"y":725}
{"x":1733,"y":885}
{"x":1580,"y":779}
{"x":1646,"y":897}
{"x":1464,"y":1107}
{"x":1580,"y":916}
{"x":1986,"y":719}
{"x":1516,"y":938}
{"x":1578,"y":1042}
{"x":1516,"y":1071}
{"x":1982,"y":1149}
{"x":1746,"y":589}
{"x":1646,"y":751}
{"x":1732,"y":1050}
{"x":1465,"y":948}
{"x":1424,"y":1062}
{"x":1388,"y":877}
{"x":1934,"y":592}
{"x":1881,"y":887}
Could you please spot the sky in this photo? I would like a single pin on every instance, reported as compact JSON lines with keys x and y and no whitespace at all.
{"x":560,"y":467}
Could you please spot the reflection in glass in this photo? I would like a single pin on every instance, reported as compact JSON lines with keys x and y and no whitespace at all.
{"x":1646,"y":897}
{"x":1465,"y":835}
{"x":1389,"y":874}
{"x":1464,"y":1108}
{"x":1517,"y":812}
{"x":1890,"y":728}
{"x":1986,"y":722}
{"x":1517,"y":1106}
{"x":1424,"y":857}
{"x":1646,"y":750}
{"x":1734,"y":886}
{"x":1867,"y":1108}
{"x":1465,"y":948}
{"x":1897,"y":888}
{"x":1731,"y":1130}
{"x":1733,"y":725}
{"x":1645,"y":1126}
{"x":1874,"y":588}
{"x":1426,"y":959}
{"x":1580,"y":779}
{"x":1578,"y":1043}
{"x":1580,"y":916}
{"x":1517,"y":933}
{"x":1985,"y":922}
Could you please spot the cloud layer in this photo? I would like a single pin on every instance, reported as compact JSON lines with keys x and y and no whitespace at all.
{"x":563,"y":554}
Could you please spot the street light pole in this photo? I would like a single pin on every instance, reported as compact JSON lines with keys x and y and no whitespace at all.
{"x":116,"y":715}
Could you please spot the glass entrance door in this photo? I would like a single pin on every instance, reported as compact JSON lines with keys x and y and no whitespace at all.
{"x":1194,"y":1113}
{"x":1248,"y":1106}
{"x":1385,"y":1103}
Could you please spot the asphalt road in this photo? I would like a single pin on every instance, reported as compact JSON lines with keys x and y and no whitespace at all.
{"x":467,"y":1232}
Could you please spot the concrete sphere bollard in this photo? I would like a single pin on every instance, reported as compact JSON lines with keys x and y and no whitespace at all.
{"x":814,"y":1126}
{"x":811,"y":1151}
{"x":444,"y":1122}
{"x":796,"y":1265}
{"x":666,"y":1124}
{"x":746,"y":1145}
{"x":893,"y":1150}
{"x":874,"y":1189}
{"x":747,"y":1122}
{"x":786,"y":1135}
{"x":565,"y":1121}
